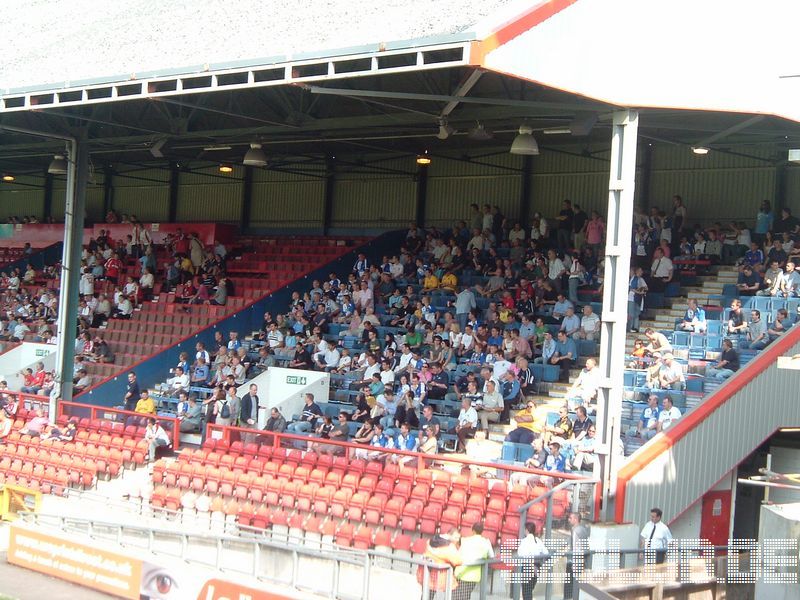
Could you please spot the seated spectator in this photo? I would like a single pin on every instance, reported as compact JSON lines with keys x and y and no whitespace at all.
{"x":178,"y":383}
{"x":548,"y":349}
{"x":555,"y":463}
{"x":5,"y":426}
{"x":561,"y":430}
{"x":378,"y":441}
{"x":736,"y":321}
{"x":694,"y":319}
{"x":586,"y":452}
{"x":671,"y":376}
{"x":192,"y":420}
{"x":757,"y":337}
{"x":648,"y":422}
{"x":779,"y":325}
{"x":156,"y":437}
{"x":83,"y":381}
{"x":772,"y":280}
{"x":339,"y":432}
{"x":571,"y":323}
{"x":668,"y":415}
{"x":789,"y":285}
{"x":489,"y":405}
{"x":33,"y":381}
{"x":749,"y":281}
{"x":406,"y":411}
{"x":727,"y":365}
{"x":276,"y":422}
{"x":658,"y":342}
{"x":528,"y":425}
{"x":36,"y":425}
{"x":590,"y":325}
{"x":565,"y":355}
{"x":145,"y":405}
{"x":308,"y":419}
{"x":200,"y":373}
{"x":466,"y":425}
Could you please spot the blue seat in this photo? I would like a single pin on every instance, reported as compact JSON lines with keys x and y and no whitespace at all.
{"x":761,"y":303}
{"x":697,"y":340}
{"x":551,"y":373}
{"x":629,"y":378}
{"x":680,"y":338}
{"x":587,"y":348}
{"x":524,"y":452}
{"x":714,"y":327}
{"x":714,"y":342}
{"x":694,"y":384}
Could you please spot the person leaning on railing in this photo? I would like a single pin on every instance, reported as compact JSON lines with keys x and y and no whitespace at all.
{"x":442,"y":554}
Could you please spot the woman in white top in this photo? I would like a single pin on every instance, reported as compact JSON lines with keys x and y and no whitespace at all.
{"x":532,"y":548}
{"x":86,"y":284}
{"x":146,"y":282}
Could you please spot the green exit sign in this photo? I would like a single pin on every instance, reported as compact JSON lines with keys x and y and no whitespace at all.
{"x":40,"y":352}
{"x":296,"y":380}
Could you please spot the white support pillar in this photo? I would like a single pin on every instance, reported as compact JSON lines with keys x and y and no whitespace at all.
{"x":615,"y":299}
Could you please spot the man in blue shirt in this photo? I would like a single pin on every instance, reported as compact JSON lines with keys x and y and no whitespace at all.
{"x":308,"y":419}
{"x":561,"y":306}
{"x":510,"y":386}
{"x":694,"y":319}
{"x":565,"y":355}
{"x":555,"y":463}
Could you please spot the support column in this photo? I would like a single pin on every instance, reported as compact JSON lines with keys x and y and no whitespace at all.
{"x":780,"y":189}
{"x":422,"y":195}
{"x":615,"y":300}
{"x":247,"y":199}
{"x":77,"y":172}
{"x":328,"y":192}
{"x":647,"y":171}
{"x":108,"y":190}
{"x":48,"y":196}
{"x":174,"y":182}
{"x":525,"y":192}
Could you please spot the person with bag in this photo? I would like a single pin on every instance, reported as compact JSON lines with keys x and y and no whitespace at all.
{"x":532,"y":553}
{"x":441,"y":552}
{"x":474,"y":549}
{"x":227,"y":407}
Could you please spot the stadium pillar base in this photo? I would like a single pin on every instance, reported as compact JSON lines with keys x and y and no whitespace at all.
{"x":622,"y":180}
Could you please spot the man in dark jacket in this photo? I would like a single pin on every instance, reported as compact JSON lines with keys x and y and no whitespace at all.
{"x":248,"y":411}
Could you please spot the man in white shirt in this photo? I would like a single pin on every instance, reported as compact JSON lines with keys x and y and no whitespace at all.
{"x":655,"y":538}
{"x":533,"y":549}
{"x":661,"y":271}
{"x":491,"y":405}
{"x":327,"y":359}
{"x":178,"y":383}
{"x":405,"y":358}
{"x":466,"y":425}
{"x":501,"y":365}
{"x":274,"y":336}
{"x":155,"y":436}
{"x":584,"y":390}
{"x":668,"y":415}
{"x":590,"y":325}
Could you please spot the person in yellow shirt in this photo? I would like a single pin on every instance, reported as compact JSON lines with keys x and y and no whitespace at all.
{"x":145,"y":405}
{"x":529,"y":425}
{"x":474,"y":549}
{"x":449,"y":282}
{"x":431,"y":281}
{"x":442,"y":552}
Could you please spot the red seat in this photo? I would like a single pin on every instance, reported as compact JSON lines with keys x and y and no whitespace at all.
{"x":345,"y":534}
{"x":363,"y":538}
{"x":431,"y":515}
{"x":392,"y":511}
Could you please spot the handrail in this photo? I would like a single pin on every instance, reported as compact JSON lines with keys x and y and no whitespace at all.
{"x":665,"y":440}
{"x":278,"y":438}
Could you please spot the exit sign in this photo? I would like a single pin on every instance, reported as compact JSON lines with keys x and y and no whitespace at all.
{"x":296,"y":380}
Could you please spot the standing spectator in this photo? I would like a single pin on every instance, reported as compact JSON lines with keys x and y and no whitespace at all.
{"x":655,"y":538}
{"x":637,"y":291}
{"x":465,"y":302}
{"x":248,"y":409}
{"x":595,"y":232}
{"x":661,"y":271}
{"x":579,"y":222}
{"x":531,"y":548}
{"x":764,"y":220}
{"x":678,"y":221}
{"x":226,"y":408}
{"x":578,"y":557}
{"x":474,"y":549}
{"x":564,"y":233}
{"x":131,"y":393}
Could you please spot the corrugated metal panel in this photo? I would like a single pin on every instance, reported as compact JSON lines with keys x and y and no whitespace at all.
{"x":671,"y":157}
{"x":793,"y":189}
{"x":374,"y":202}
{"x":137,"y":177}
{"x":148,"y":203}
{"x":683,"y":473}
{"x":715,"y":194}
{"x":497,"y":162}
{"x":449,"y":198}
{"x":19,"y":201}
{"x":587,"y":189}
{"x":209,"y":196}
{"x":573,"y":160}
{"x":292,"y":203}
{"x":94,"y":199}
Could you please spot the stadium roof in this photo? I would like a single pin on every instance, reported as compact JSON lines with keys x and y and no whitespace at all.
{"x":48,"y":44}
{"x":376,"y":77}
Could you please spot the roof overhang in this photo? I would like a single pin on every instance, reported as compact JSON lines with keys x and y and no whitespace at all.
{"x":716,"y":55}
